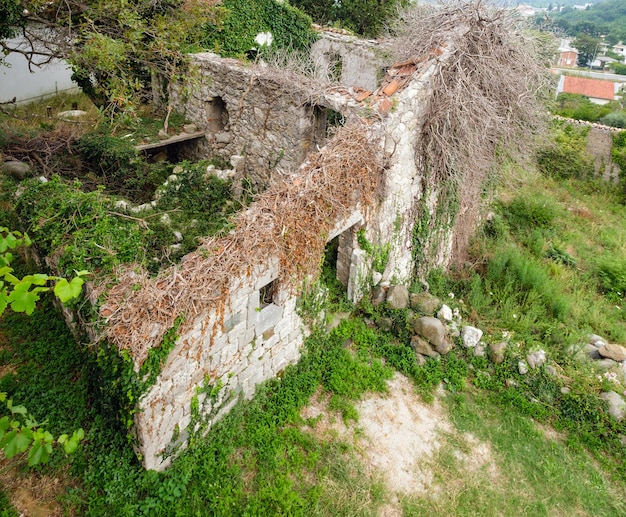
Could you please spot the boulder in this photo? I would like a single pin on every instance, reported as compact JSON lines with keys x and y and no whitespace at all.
{"x":431,"y":329}
{"x":422,"y":347}
{"x":522,"y":367}
{"x":591,"y":352}
{"x":378,"y":295}
{"x":498,"y":351}
{"x":615,"y":352}
{"x":398,"y":297}
{"x":605,"y":364}
{"x":470,"y":336}
{"x":480,"y":350}
{"x":536,"y":359}
{"x":16,"y":169}
{"x":596,"y":340}
{"x":424,"y":303}
{"x":376,"y":278}
{"x":444,"y":347}
{"x":617,"y":405}
{"x":445,"y":313}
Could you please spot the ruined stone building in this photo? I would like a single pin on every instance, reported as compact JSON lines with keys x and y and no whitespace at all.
{"x":335,"y":163}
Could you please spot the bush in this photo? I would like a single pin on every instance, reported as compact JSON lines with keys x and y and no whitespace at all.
{"x":619,"y":68}
{"x":524,"y":214}
{"x":612,"y":275}
{"x":614,"y":119}
{"x":566,"y":158}
{"x":579,"y":107}
{"x":244,"y":19}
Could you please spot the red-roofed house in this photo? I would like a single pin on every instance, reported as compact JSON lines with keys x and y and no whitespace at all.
{"x":598,"y":91}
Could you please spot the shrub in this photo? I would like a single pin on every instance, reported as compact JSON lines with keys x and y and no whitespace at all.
{"x":612,"y":275}
{"x":619,"y":68}
{"x":615,"y":119}
{"x":565,"y":158}
{"x":234,"y":35}
{"x":524,"y":214}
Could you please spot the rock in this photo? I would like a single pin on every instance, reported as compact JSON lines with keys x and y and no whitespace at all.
{"x":453,"y":329}
{"x":159,"y":157}
{"x":162,"y":134}
{"x":121,"y":205}
{"x":69,"y":114}
{"x":551,"y":370}
{"x":444,"y":347}
{"x":605,"y":364}
{"x":480,"y":350}
{"x":422,"y":347}
{"x":177,"y":170}
{"x":378,"y":296}
{"x":431,"y":329}
{"x":190,"y":128}
{"x":424,"y":303}
{"x":596,"y":340}
{"x":470,"y":336}
{"x":498,"y":351}
{"x":398,"y":297}
{"x":536,"y":359}
{"x":16,"y":169}
{"x":522,"y":367}
{"x":165,"y":219}
{"x":565,"y":390}
{"x":615,"y":352}
{"x":237,"y":161}
{"x":617,"y":405}
{"x":376,"y":278}
{"x":337,"y":318}
{"x":420,"y":359}
{"x":445,"y":313}
{"x":223,"y":138}
{"x":591,"y":352}
{"x":178,"y":236}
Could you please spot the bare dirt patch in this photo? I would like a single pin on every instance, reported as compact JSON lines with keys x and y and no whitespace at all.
{"x":397,"y":436}
{"x":32,"y":494}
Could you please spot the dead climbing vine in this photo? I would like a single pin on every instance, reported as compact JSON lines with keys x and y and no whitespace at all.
{"x":484,"y":95}
{"x":290,"y":221}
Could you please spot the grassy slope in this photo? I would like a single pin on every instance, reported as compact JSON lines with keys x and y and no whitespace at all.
{"x":260,"y":461}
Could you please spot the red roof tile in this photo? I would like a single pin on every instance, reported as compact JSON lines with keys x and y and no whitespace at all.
{"x":590,"y":87}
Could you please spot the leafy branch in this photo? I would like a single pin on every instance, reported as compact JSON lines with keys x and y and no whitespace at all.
{"x":20,"y":432}
{"x":22,"y":294}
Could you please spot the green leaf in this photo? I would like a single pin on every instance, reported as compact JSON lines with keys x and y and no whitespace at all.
{"x":63,"y":438}
{"x":27,"y":241}
{"x":4,"y":300}
{"x":20,"y":410}
{"x":66,"y":291}
{"x":5,"y":270}
{"x":23,"y":300}
{"x":36,"y":279}
{"x":39,"y":453}
{"x":16,"y":443}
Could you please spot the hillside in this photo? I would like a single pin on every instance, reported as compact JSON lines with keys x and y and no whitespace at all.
{"x":366,"y":424}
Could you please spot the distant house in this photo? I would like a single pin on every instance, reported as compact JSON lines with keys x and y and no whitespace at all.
{"x":568,"y":56}
{"x":620,"y":48}
{"x":598,"y":91}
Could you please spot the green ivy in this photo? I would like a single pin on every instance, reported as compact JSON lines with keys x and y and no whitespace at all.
{"x":244,"y":19}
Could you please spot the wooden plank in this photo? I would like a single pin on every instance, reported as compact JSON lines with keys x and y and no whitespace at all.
{"x":172,"y":140}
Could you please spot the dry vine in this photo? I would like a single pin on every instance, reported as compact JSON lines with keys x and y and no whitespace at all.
{"x":484,"y":95}
{"x":290,"y":221}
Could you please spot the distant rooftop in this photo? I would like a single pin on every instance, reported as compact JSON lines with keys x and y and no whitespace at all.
{"x":595,"y":88}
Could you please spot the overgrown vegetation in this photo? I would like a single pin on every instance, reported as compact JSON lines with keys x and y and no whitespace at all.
{"x":579,"y":107}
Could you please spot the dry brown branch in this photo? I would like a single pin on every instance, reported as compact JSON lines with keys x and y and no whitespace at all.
{"x":291,"y":221}
{"x":484,"y":99}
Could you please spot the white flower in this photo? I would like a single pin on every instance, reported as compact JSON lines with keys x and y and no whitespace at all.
{"x":264,"y":38}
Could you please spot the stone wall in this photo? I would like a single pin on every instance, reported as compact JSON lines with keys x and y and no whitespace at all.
{"x":348,"y":60}
{"x":271,"y":120}
{"x":254,"y":331}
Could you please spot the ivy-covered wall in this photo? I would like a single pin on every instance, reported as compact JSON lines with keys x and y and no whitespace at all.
{"x":234,"y":35}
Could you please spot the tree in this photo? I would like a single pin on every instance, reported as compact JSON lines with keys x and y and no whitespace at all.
{"x":365,"y":17}
{"x":587,"y":47}
{"x":113,"y":47}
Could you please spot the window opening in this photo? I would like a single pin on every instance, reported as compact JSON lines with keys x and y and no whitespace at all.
{"x":267,"y":294}
{"x":217,"y":114}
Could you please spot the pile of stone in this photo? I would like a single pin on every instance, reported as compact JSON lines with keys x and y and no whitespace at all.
{"x":437,"y":327}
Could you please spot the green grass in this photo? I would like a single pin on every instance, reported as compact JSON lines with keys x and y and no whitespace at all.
{"x":524,"y":472}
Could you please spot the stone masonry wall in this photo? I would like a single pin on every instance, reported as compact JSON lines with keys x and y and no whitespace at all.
{"x":268,"y":121}
{"x":255,"y":342}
